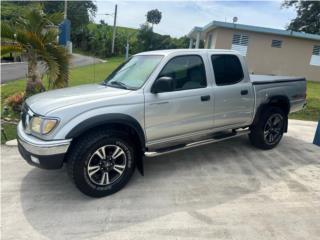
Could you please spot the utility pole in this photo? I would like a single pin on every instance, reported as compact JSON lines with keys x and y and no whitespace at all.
{"x":114,"y":28}
{"x":65,"y":9}
{"x":127,"y":48}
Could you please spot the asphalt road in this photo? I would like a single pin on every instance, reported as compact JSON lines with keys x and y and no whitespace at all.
{"x":14,"y":71}
{"x":226,"y":190}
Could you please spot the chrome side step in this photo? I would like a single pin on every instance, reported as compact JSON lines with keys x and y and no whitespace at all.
{"x":180,"y":147}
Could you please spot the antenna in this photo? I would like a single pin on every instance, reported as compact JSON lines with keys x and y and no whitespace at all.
{"x":235,"y":19}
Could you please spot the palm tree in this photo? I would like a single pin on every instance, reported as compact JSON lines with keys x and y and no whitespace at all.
{"x":35,"y":36}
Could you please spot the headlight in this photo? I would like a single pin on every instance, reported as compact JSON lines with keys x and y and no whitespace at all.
{"x":36,"y":124}
{"x":48,"y":125}
{"x":42,"y":125}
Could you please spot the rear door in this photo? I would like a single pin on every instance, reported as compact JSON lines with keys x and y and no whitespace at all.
{"x":187,"y":108}
{"x":234,"y":96}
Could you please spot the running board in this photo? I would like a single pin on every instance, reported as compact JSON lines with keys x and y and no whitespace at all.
{"x":217,"y":138}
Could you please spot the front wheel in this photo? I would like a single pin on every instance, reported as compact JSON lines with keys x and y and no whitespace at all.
{"x":101,"y":163}
{"x":268,"y":132}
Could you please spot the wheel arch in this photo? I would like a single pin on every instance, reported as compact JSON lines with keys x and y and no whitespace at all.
{"x":105,"y":120}
{"x":280,"y":101}
{"x":120,"y":122}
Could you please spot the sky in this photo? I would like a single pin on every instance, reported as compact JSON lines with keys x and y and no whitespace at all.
{"x":179,"y":17}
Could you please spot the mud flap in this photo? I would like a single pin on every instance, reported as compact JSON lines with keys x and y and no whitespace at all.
{"x":139,"y":165}
{"x":285,"y":129}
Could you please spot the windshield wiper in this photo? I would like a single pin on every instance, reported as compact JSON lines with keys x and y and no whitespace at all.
{"x":119,"y":84}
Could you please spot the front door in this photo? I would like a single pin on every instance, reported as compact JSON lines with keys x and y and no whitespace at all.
{"x":186,"y":108}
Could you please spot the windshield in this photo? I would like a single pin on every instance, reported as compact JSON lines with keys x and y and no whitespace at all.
{"x":133,"y":73}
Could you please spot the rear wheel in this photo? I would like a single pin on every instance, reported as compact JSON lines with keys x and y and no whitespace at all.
{"x":101,"y":163}
{"x":268,"y":132}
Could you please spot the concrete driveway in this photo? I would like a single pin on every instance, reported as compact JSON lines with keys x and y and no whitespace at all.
{"x":226,"y":190}
{"x":18,"y":70}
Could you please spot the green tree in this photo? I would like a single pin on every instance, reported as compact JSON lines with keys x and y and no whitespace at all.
{"x":35,"y":36}
{"x":11,"y":11}
{"x":80,"y":13}
{"x":308,"y":16}
{"x":145,"y":38}
{"x":154,"y":16}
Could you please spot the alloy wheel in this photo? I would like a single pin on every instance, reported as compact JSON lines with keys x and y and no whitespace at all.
{"x":106,"y":165}
{"x":273,"y":129}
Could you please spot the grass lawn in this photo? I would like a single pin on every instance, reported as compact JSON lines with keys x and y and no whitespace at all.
{"x":9,"y":132}
{"x":98,"y":72}
{"x":81,"y":75}
{"x":312,"y":111}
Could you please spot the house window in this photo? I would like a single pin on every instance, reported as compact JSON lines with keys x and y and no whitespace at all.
{"x":315,"y":57}
{"x":316,"y":50}
{"x":209,"y":41}
{"x":276,"y":43}
{"x":240,"y":43}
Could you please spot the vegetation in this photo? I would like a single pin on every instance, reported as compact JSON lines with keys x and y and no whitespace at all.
{"x":312,"y":110}
{"x":8,"y":133}
{"x":308,"y":15}
{"x":11,"y":11}
{"x":34,"y":36}
{"x":148,"y":40}
{"x":154,"y":16}
{"x":79,"y":13}
{"x":78,"y":76}
{"x":94,"y":38}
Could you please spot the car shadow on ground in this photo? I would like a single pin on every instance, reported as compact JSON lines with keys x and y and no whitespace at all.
{"x":187,"y":181}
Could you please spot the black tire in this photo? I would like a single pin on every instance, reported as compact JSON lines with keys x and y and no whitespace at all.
{"x":85,"y":154}
{"x":259,"y":132}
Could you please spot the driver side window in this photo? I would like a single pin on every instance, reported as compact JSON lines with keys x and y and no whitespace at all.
{"x":187,"y":72}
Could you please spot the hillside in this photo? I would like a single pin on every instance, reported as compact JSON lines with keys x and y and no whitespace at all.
{"x":120,"y":29}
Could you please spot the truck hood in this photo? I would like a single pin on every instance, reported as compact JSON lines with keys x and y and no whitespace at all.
{"x":46,"y":102}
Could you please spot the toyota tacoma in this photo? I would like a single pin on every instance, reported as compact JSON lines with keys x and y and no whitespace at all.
{"x":154,"y":103}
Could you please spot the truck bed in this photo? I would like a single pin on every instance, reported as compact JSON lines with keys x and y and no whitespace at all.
{"x":268,"y":79}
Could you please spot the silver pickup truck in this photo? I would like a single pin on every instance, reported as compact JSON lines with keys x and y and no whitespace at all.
{"x":155,"y":103}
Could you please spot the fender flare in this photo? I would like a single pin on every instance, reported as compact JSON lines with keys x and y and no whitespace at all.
{"x":110,"y":118}
{"x":269,"y":102}
{"x":113,"y":118}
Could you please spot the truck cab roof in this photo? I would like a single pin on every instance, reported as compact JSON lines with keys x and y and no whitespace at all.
{"x":188,"y":51}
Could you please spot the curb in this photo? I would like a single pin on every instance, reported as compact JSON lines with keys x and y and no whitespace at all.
{"x":12,"y":143}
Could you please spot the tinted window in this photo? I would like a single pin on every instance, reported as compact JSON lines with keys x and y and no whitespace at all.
{"x":188,"y":72}
{"x":227,"y":69}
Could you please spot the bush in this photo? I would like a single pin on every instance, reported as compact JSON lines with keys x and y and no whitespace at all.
{"x":15,"y":101}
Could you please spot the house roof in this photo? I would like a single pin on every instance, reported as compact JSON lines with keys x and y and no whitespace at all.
{"x":218,"y":24}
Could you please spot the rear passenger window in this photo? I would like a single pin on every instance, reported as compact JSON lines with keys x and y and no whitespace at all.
{"x":188,"y":72}
{"x":227,"y":69}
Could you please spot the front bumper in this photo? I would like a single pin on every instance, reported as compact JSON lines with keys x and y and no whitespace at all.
{"x":40,"y":153}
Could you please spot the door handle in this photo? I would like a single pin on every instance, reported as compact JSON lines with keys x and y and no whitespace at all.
{"x":205,"y":98}
{"x":159,"y":103}
{"x":244,"y":92}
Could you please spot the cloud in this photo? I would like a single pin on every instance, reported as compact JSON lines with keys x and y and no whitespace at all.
{"x":179,"y":17}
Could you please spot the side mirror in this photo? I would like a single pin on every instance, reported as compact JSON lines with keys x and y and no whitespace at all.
{"x":162,"y":84}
